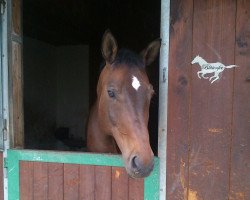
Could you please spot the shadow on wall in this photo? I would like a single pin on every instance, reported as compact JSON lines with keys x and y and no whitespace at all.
{"x":55,"y":95}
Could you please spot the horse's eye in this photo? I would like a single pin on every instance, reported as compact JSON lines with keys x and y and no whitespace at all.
{"x":111,"y":93}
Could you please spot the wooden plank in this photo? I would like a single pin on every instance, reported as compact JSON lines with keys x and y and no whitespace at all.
{"x":119,"y":184}
{"x":16,"y":17}
{"x":17,"y":95}
{"x":179,"y":98}
{"x":87,"y":182}
{"x":240,"y":159}
{"x":15,"y":74}
{"x":26,"y":180}
{"x":136,"y":189}
{"x":103,"y":183}
{"x":55,"y":181}
{"x":1,"y":176}
{"x":71,"y":182}
{"x":40,"y":181}
{"x":211,"y":104}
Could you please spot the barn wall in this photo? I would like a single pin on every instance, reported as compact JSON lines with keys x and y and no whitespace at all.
{"x":71,"y":181}
{"x":55,"y":92}
{"x":39,"y":69}
{"x":72,"y":101}
{"x":208,"y":140}
{"x":240,"y":145}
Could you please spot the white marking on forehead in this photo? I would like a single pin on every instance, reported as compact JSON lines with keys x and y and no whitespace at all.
{"x":135,"y":83}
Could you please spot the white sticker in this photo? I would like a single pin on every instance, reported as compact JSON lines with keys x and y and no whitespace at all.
{"x":208,"y":68}
{"x":135,"y":83}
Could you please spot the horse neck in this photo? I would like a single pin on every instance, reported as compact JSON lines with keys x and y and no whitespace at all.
{"x":100,"y":140}
{"x":201,"y":61}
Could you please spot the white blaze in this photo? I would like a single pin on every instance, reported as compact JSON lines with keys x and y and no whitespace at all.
{"x":135,"y":83}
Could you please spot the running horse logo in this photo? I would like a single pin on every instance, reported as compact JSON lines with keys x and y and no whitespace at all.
{"x":208,"y":68}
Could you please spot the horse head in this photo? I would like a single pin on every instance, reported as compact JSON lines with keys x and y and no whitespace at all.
{"x":196,"y":59}
{"x":123,"y":99}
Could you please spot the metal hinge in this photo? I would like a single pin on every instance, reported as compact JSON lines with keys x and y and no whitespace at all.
{"x":5,"y":163}
{"x":3,"y":6}
{"x":5,"y":128}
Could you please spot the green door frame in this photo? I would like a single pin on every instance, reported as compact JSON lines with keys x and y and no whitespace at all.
{"x":151,"y":183}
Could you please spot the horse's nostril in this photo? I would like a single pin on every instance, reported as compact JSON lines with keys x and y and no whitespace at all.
{"x":134,"y":162}
{"x":137,"y":169}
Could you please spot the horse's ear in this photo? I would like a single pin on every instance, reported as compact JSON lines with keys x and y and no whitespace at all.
{"x":109,"y":47}
{"x":149,"y":54}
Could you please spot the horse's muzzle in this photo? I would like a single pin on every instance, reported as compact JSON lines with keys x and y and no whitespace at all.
{"x":137,"y":168}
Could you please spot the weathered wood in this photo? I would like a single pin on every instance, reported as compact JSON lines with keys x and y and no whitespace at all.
{"x":240,"y":158}
{"x":179,"y":98}
{"x":136,"y":189}
{"x":211,"y":104}
{"x":40,"y":181}
{"x":1,"y":176}
{"x":75,"y":177}
{"x":119,"y":183}
{"x":17,"y":95}
{"x":71,"y":181}
{"x":87,"y":184}
{"x":55,"y":181}
{"x":16,"y":17}
{"x":26,"y":180}
{"x":103,"y":187}
{"x":15,"y":77}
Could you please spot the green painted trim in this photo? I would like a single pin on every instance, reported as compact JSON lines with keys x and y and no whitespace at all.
{"x":13,"y":176}
{"x":68,"y":157}
{"x":151,"y":183}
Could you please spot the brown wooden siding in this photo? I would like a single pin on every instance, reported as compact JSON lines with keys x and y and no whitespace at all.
{"x":208,"y":140}
{"x":1,"y":176}
{"x":240,"y":146}
{"x":55,"y":181}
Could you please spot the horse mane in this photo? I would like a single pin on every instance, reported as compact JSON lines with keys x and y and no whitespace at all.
{"x":128,"y":57}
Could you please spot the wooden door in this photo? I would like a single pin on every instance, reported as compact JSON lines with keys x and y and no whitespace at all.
{"x":208,"y":140}
{"x":73,"y":176}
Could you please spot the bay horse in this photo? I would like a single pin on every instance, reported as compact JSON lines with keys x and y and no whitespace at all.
{"x":119,"y":118}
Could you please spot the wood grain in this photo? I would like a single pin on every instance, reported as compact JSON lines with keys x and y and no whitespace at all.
{"x":119,"y":183}
{"x":179,"y":98}
{"x":87,"y":182}
{"x":55,"y":181}
{"x":16,"y":17}
{"x":71,"y":182}
{"x":136,"y":189}
{"x":103,"y":189}
{"x":40,"y":181}
{"x":211,"y":104}
{"x":240,"y":159}
{"x":17,"y":95}
{"x":26,"y":180}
